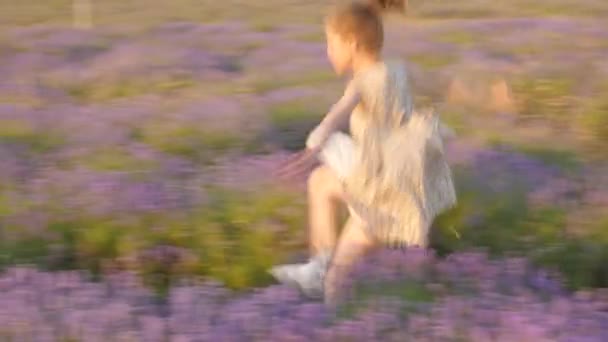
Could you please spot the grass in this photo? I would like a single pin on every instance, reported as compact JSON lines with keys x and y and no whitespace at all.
{"x":259,"y":83}
{"x":99,"y":91}
{"x":402,"y":291}
{"x":545,"y":97}
{"x":152,"y":12}
{"x":311,"y":37}
{"x":564,"y":160}
{"x":314,"y":78}
{"x":595,"y":120}
{"x":22,"y":99}
{"x":8,"y":46}
{"x":456,"y":118}
{"x":114,"y":159}
{"x":504,"y":224}
{"x":583,"y":262}
{"x":532,"y":49}
{"x":252,"y":46}
{"x":457,"y":37}
{"x":31,"y":250}
{"x":263,"y":25}
{"x":188,"y":141}
{"x":80,"y":51}
{"x":5,"y":201}
{"x":15,"y":130}
{"x":515,"y":8}
{"x":231,"y":64}
{"x":433,"y":61}
{"x":228,"y":239}
{"x":22,"y":132}
{"x":291,"y":122}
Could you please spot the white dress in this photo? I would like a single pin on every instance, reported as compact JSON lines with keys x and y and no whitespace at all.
{"x":392,"y":165}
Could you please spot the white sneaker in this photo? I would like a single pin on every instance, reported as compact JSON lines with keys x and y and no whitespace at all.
{"x":309,"y":277}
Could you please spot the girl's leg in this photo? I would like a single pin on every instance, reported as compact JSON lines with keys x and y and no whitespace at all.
{"x":324,"y":196}
{"x":324,"y":199}
{"x":353,"y":244}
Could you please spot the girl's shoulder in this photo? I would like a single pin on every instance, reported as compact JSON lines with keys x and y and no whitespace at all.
{"x":385,"y":67}
{"x":378,"y":75}
{"x":396,"y":66}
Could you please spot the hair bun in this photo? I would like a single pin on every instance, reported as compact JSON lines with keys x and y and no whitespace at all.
{"x":389,"y":5}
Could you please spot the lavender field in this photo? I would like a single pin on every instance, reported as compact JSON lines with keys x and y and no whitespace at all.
{"x":137,"y":201}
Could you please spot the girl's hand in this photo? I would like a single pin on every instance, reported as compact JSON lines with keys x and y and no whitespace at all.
{"x":299,"y":164}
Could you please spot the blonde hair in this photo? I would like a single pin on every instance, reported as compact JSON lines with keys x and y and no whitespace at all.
{"x":362,"y":22}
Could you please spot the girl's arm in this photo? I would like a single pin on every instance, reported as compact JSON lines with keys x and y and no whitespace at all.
{"x":337,"y":118}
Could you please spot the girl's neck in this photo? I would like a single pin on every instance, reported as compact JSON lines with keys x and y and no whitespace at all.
{"x":364,"y":62}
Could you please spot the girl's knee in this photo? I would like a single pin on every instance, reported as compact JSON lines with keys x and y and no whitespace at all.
{"x":355,"y":232}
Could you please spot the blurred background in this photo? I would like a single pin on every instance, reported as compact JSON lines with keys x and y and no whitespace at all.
{"x":137,"y":138}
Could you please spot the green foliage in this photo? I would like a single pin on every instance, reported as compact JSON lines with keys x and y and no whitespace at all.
{"x":114,"y":159}
{"x":595,"y":123}
{"x":477,"y":9}
{"x":263,"y":25}
{"x":31,"y":250}
{"x":311,"y":37}
{"x":236,"y":237}
{"x":291,"y":123}
{"x":5,"y":201}
{"x":545,"y":97}
{"x":581,"y":259}
{"x":266,"y":84}
{"x":433,"y":61}
{"x":98,"y":242}
{"x":188,"y":141}
{"x":114,"y":12}
{"x":564,"y":160}
{"x":402,"y":290}
{"x":239,"y":244}
{"x":233,"y":239}
{"x":504,"y":224}
{"x":457,"y":37}
{"x":100,"y":91}
{"x":22,"y":132}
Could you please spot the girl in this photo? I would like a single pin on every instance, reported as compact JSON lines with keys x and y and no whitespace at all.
{"x":390,"y":171}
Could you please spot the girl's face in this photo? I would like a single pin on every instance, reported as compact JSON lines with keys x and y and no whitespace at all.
{"x":339,"y":51}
